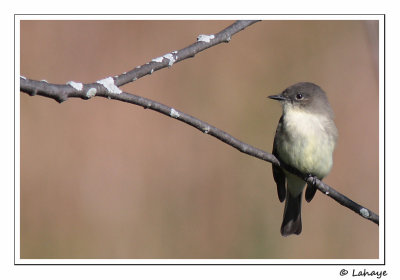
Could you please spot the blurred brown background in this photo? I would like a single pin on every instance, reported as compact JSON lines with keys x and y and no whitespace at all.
{"x":105,"y":179}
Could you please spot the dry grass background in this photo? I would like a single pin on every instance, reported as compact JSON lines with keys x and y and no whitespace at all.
{"x":105,"y":179}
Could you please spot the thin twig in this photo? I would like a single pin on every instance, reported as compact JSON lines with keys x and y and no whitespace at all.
{"x":203,"y":42}
{"x":60,"y":93}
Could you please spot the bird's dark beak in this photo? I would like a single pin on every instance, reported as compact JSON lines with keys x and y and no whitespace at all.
{"x":278,"y":97}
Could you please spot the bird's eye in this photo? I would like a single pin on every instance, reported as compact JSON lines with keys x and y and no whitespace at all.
{"x":299,"y":96}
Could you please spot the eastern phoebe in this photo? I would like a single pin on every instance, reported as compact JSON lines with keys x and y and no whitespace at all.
{"x":305,"y":139}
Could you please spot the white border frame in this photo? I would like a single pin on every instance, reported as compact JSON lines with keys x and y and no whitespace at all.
{"x":382,"y":226}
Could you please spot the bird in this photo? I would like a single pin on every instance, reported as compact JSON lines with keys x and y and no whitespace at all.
{"x":305,"y":139}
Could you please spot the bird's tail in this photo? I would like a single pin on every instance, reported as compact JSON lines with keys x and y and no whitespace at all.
{"x":292,"y":215}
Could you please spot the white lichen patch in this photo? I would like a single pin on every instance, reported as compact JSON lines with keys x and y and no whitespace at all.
{"x":109,"y":84}
{"x":205,"y":38}
{"x":206,"y":130}
{"x":168,"y":56}
{"x":364,"y":212}
{"x":75,"y":85}
{"x":158,"y":59}
{"x":91,"y":93}
{"x":175,"y":114}
{"x":171,"y":59}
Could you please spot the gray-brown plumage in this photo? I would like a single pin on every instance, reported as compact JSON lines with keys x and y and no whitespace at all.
{"x":305,"y":139}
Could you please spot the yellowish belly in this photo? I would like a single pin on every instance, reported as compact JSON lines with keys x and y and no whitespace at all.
{"x":306,"y":145}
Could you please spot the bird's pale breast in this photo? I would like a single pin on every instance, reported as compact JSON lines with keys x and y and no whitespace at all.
{"x":306,"y":143}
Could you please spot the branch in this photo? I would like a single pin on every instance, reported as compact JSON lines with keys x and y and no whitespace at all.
{"x":203,"y":42}
{"x":331,"y":192}
{"x":60,"y":93}
{"x":224,"y":137}
{"x":108,"y":88}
